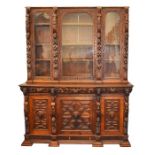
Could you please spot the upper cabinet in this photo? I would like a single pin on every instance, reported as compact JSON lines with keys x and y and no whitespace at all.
{"x":77,"y":44}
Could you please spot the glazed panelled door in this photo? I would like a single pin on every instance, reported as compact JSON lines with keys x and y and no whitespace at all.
{"x":42,"y":43}
{"x":77,"y":45}
{"x":113,"y":44}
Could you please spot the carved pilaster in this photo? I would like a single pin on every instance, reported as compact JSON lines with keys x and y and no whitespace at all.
{"x":26,"y":113}
{"x":53,"y":116}
{"x":54,"y":141}
{"x":53,"y":111}
{"x":125,"y":52}
{"x":98,"y":112}
{"x":126,"y":111}
{"x":55,"y":45}
{"x":98,"y":142}
{"x":99,"y":47}
{"x":28,"y":44}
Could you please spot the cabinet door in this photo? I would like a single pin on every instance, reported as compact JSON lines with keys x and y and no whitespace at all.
{"x":112,"y":115}
{"x":40,"y":111}
{"x":42,"y":43}
{"x":77,"y":29}
{"x":75,"y":115}
{"x":113,"y":32}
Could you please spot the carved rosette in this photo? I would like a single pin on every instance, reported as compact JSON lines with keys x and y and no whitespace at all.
{"x":26,"y":113}
{"x":28,"y":43}
{"x":55,"y":45}
{"x":99,"y":47}
{"x":125,"y":53}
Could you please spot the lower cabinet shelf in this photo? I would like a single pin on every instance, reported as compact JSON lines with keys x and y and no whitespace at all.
{"x":87,"y":118}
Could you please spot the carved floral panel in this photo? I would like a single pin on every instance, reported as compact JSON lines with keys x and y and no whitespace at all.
{"x":112,"y":114}
{"x":40,"y":107}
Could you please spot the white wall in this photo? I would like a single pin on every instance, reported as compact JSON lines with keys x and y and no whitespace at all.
{"x":141,"y":74}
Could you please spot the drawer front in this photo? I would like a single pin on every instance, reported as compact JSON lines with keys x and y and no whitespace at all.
{"x":75,"y":115}
{"x":112,"y":115}
{"x":40,"y":122}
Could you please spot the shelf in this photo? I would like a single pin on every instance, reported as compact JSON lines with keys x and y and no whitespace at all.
{"x":43,"y":44}
{"x":79,"y":77}
{"x":77,"y":24}
{"x":42,"y":24}
{"x":112,"y":77}
{"x":77,"y":44}
{"x":77,"y":60}
{"x":112,"y":59}
{"x":42,"y":59}
{"x":112,"y":44}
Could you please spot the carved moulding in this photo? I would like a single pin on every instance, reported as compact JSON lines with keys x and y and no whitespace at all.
{"x":76,"y":90}
{"x":39,"y":114}
{"x":124,"y":90}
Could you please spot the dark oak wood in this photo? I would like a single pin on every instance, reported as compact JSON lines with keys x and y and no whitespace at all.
{"x":90,"y":105}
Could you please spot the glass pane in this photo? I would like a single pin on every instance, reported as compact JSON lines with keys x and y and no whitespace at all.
{"x":112,"y":46}
{"x":42,"y":68}
{"x":85,"y":34}
{"x":42,"y":34}
{"x":77,"y":68}
{"x":77,"y":46}
{"x":77,"y":52}
{"x":41,"y":17}
{"x":112,"y":28}
{"x":77,"y":18}
{"x":111,"y":69}
{"x":70,"y":34}
{"x":43,"y":52}
{"x":42,"y":45}
{"x":112,"y":52}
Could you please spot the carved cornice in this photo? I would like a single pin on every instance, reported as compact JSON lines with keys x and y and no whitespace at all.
{"x":28,"y":44}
